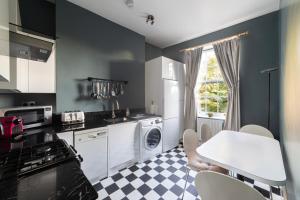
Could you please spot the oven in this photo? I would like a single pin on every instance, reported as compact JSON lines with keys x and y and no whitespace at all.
{"x":33,"y":116}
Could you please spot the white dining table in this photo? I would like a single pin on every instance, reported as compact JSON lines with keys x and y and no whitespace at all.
{"x":252,"y":156}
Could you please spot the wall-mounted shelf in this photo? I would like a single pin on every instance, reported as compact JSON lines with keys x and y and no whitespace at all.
{"x":106,"y":80}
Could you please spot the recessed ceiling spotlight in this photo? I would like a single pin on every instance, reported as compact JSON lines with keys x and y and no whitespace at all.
{"x":150,"y":19}
{"x":129,"y":3}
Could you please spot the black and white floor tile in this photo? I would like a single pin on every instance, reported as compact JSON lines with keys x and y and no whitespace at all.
{"x":161,"y":178}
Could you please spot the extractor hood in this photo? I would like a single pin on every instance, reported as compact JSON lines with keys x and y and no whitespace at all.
{"x":25,"y":42}
{"x":29,"y":46}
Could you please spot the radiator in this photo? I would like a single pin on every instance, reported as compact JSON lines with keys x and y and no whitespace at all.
{"x":208,"y":127}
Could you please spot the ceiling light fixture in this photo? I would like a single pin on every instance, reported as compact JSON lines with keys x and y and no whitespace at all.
{"x":129,"y":3}
{"x":150,"y":19}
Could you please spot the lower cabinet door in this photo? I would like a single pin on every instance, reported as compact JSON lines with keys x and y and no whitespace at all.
{"x":171,"y":132}
{"x":122,"y":142}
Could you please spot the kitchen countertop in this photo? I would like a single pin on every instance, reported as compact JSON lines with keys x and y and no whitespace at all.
{"x":60,"y":182}
{"x":95,"y":123}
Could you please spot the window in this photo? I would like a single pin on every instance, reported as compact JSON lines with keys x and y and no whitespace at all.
{"x":211,"y":91}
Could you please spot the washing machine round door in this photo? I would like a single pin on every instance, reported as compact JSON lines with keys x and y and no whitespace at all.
{"x":153,"y":138}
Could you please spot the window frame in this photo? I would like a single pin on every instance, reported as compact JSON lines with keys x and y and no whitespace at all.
{"x":201,"y":113}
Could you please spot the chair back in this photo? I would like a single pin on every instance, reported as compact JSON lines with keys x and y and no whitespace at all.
{"x":212,"y":186}
{"x":190,"y":141}
{"x":257,"y":130}
{"x":206,"y":133}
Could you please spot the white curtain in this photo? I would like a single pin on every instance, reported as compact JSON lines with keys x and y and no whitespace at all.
{"x":228,"y":56}
{"x":192,"y":64}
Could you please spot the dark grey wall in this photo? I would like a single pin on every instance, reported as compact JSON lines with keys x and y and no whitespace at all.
{"x":152,"y":52}
{"x":89,"y":45}
{"x":259,"y":50}
{"x":290,"y":93}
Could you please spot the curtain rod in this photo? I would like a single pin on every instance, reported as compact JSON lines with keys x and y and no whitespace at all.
{"x":217,"y":41}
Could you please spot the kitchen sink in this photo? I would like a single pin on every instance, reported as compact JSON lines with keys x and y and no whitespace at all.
{"x":116,"y":120}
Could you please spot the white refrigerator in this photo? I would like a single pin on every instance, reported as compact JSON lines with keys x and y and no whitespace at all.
{"x":171,"y":112}
{"x":164,"y":87}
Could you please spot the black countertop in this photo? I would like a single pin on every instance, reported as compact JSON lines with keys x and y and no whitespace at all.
{"x":64,"y":181}
{"x":96,"y":122}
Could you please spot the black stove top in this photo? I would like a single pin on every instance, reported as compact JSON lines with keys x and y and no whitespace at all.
{"x":38,"y":168}
{"x":25,"y":161}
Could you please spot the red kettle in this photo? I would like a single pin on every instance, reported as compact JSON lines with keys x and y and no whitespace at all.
{"x":10,"y":126}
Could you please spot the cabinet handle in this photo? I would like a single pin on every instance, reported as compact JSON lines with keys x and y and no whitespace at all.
{"x":101,"y":133}
{"x":92,"y":136}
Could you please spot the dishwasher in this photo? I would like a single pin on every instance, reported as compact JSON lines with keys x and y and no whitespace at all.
{"x":92,"y":146}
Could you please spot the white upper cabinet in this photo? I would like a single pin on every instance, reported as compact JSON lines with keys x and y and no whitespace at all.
{"x":170,"y":69}
{"x":22,"y":75}
{"x":4,"y":41}
{"x":41,"y":76}
{"x":18,"y":76}
{"x":27,"y":76}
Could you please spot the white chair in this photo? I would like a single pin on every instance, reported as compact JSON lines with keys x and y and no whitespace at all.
{"x":190,"y":143}
{"x":206,"y":133}
{"x":216,"y":186}
{"x":257,"y":130}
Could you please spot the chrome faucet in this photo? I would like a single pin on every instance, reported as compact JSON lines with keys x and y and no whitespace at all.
{"x":113,"y":114}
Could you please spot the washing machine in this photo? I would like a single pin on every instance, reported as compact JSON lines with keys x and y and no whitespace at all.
{"x":150,"y":138}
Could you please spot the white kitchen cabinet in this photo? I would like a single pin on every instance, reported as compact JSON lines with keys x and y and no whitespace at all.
{"x":123,"y":140}
{"x":92,"y":146}
{"x":18,"y":76}
{"x":4,"y":41}
{"x":27,"y":76}
{"x":22,"y":74}
{"x":157,"y":70}
{"x":67,"y":136}
{"x":170,"y":69}
{"x":41,"y":76}
{"x":171,"y":132}
{"x":4,"y":69}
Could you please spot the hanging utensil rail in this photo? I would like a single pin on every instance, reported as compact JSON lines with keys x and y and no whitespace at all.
{"x":106,"y":80}
{"x":106,"y":88}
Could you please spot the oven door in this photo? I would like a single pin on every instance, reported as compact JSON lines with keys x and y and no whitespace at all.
{"x":32,"y":116}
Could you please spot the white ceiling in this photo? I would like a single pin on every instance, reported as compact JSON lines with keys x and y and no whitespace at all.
{"x":178,"y":20}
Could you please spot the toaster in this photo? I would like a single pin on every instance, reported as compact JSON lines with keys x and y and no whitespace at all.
{"x":10,"y":126}
{"x":72,"y":117}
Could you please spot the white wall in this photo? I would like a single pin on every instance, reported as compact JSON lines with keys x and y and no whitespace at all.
{"x":290,"y":92}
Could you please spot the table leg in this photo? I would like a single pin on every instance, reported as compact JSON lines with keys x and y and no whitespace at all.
{"x":283,"y":192}
{"x":271,"y":193}
{"x":187,"y":172}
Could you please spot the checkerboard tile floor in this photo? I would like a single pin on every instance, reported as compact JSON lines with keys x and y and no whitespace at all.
{"x":161,"y":178}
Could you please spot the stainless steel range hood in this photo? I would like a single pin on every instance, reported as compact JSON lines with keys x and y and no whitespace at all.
{"x":29,"y":46}
{"x":25,"y":43}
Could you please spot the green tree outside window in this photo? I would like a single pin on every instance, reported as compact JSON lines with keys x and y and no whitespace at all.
{"x":212,"y":91}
